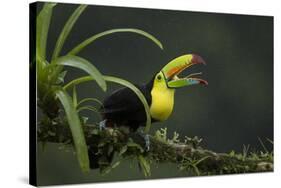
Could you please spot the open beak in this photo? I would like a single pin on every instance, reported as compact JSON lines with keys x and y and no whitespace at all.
{"x":177,"y":65}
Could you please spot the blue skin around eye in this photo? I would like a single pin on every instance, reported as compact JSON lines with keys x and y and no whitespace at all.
{"x":191,"y":82}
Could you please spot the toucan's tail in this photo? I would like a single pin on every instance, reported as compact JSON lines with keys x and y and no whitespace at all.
{"x":93,"y":157}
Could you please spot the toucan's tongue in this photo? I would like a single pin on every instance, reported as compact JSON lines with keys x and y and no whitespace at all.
{"x":177,"y":65}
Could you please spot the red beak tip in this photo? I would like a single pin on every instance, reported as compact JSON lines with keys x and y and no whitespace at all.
{"x":196,"y":59}
{"x":204,"y":82}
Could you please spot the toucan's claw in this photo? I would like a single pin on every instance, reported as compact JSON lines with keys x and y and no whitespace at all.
{"x":102,"y":125}
{"x":147,"y":142}
{"x":143,"y":138}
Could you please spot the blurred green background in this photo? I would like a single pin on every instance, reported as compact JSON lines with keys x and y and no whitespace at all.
{"x":234,"y":109}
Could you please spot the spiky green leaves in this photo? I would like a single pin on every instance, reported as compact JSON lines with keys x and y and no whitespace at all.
{"x":83,"y":64}
{"x":42,"y":27}
{"x":66,"y":30}
{"x":50,"y":76}
{"x":76,"y":129}
{"x":88,"y":41}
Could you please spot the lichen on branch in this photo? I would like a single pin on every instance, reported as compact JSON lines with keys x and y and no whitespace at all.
{"x":187,"y":154}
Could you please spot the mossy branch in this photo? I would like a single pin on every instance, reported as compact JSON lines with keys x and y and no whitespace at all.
{"x":188,"y":155}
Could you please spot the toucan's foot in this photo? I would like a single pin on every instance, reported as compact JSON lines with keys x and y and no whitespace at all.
{"x":102,"y":125}
{"x":146,"y":140}
{"x":141,"y":138}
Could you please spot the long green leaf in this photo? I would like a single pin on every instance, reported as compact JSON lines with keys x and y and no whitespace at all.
{"x":88,"y":100}
{"x":42,"y":27}
{"x":144,"y":165}
{"x":90,"y":108}
{"x":74,"y":97}
{"x":122,"y":82}
{"x":76,"y":129}
{"x":83,"y":64}
{"x":88,"y":41}
{"x":66,"y":30}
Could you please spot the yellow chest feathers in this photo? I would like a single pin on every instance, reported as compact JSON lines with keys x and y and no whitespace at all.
{"x":162,"y":103}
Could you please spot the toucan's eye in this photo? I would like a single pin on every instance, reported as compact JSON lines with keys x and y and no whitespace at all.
{"x":159,"y":77}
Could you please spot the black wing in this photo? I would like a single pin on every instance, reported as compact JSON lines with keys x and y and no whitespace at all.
{"x":123,"y":105}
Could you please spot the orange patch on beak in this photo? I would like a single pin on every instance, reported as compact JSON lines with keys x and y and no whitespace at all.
{"x":176,"y":70}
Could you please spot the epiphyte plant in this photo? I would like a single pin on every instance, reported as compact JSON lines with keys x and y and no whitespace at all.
{"x":50,"y":73}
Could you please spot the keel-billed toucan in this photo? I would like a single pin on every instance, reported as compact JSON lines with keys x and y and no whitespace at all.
{"x":124,"y":108}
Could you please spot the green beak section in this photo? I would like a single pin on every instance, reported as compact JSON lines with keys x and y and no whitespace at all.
{"x":176,"y":66}
{"x":186,"y":82}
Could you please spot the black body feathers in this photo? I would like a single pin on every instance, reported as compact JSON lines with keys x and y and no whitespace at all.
{"x":123,"y":107}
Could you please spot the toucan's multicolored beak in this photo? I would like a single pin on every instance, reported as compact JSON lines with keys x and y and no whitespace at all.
{"x":177,"y":65}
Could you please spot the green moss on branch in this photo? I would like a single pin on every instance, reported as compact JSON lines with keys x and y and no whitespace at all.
{"x":188,"y":154}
